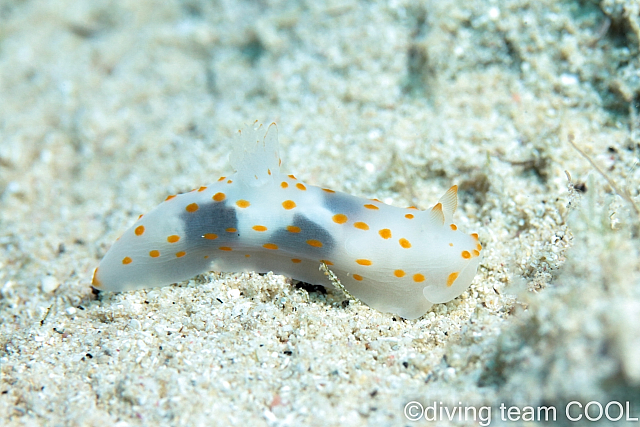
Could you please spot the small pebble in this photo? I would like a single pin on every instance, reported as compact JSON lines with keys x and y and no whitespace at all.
{"x":49,"y":284}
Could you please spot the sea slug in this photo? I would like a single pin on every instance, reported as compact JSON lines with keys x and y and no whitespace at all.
{"x":393,"y":259}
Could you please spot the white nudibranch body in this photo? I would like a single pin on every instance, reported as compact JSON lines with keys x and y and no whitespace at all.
{"x":395,"y":260}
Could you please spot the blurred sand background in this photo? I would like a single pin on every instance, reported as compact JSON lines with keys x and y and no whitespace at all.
{"x":106,"y":107}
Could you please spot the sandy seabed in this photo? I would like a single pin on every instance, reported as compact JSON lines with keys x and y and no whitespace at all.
{"x":108,"y":107}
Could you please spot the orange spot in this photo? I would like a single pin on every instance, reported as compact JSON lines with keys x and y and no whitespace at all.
{"x":296,"y":260}
{"x":405,"y":243}
{"x":210,"y":236}
{"x":140,"y":216}
{"x":230,"y":230}
{"x":170,"y":197}
{"x":173,"y":238}
{"x":361,"y":225}
{"x":475,"y":253}
{"x":269,"y":172}
{"x":293,"y":229}
{"x":139,"y":230}
{"x":222,"y":178}
{"x":357,"y":277}
{"x":314,"y":243}
{"x":409,"y":216}
{"x":418,"y":278}
{"x":206,"y":257}
{"x":154,"y":253}
{"x":479,"y":247}
{"x":453,"y":227}
{"x":385,"y":233}
{"x":292,"y":177}
{"x":327,"y":190}
{"x":126,"y":260}
{"x":363,"y":261}
{"x":247,"y":256}
{"x":284,"y":184}
{"x":225,"y":248}
{"x":243,"y":204}
{"x":218,"y":197}
{"x":339,"y":218}
{"x":192,"y":207}
{"x":370,"y":206}
{"x":94,"y":281}
{"x":466,"y":254}
{"x":452,"y":278}
{"x":270,"y":246}
{"x":326,"y":261}
{"x":412,"y":207}
{"x":475,"y":236}
{"x":259,"y":228}
{"x":399,"y":273}
{"x":202,"y":189}
{"x":180,"y":254}
{"x":451,"y":244}
{"x":229,"y":182}
{"x":288,"y":204}
{"x":301,"y":187}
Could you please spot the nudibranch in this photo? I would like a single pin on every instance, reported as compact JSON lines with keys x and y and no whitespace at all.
{"x":393,"y":259}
